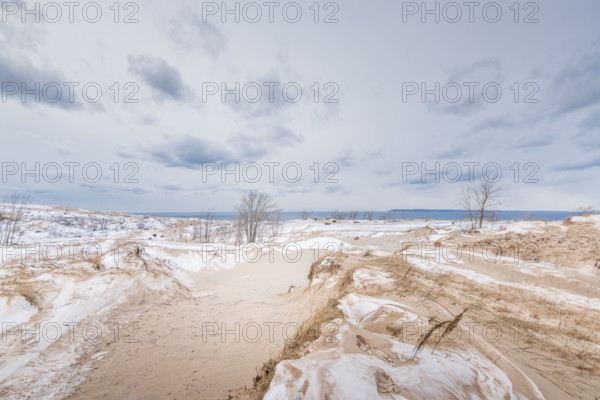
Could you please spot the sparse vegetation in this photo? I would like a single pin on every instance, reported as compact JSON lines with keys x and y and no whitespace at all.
{"x":10,"y":232}
{"x":338,"y":215}
{"x":386,"y":216}
{"x":202,"y":231}
{"x":585,"y":211}
{"x":448,"y":326}
{"x":304,"y":215}
{"x":324,"y":263}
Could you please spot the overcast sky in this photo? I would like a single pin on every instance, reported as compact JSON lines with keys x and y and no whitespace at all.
{"x":370,"y":133}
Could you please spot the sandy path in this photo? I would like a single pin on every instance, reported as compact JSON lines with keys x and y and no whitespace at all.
{"x":174,"y":360}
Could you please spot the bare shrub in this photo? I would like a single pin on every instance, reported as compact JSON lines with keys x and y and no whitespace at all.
{"x":10,"y":232}
{"x":304,"y":215}
{"x":276,"y":224}
{"x":368,"y":215}
{"x":386,"y":216}
{"x":585,"y":211}
{"x":493,"y":216}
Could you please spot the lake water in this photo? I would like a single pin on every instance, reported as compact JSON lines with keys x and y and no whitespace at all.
{"x":451,"y":215}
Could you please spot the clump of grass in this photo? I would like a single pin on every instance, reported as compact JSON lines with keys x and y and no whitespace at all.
{"x":322,"y":263}
{"x":313,"y":272}
{"x":30,"y":296}
{"x":395,"y":330}
{"x":97,"y":263}
{"x":309,"y":332}
{"x":402,"y":273}
{"x":346,"y":281}
{"x":449,"y":325}
{"x":449,"y":328}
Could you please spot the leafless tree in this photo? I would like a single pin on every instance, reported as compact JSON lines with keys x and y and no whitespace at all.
{"x":254,"y":212}
{"x":203,"y":230}
{"x":478,"y":198}
{"x":11,"y":218}
{"x":368,"y":215}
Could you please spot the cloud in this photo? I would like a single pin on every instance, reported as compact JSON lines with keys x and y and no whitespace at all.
{"x":477,"y":75}
{"x":495,"y":124}
{"x":466,"y":146}
{"x":172,"y":188}
{"x":265,"y":99}
{"x":592,"y":121}
{"x":161,"y":76}
{"x":589,"y":136}
{"x":190,"y":32}
{"x":580,"y":166}
{"x":534,"y":142}
{"x":190,"y":152}
{"x":16,"y":76}
{"x":255,"y":146}
{"x":477,"y":70}
{"x":347,"y":158}
{"x":577,"y":86}
{"x":455,"y":152}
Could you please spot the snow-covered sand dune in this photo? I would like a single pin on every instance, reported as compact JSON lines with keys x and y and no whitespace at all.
{"x":76,"y":273}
